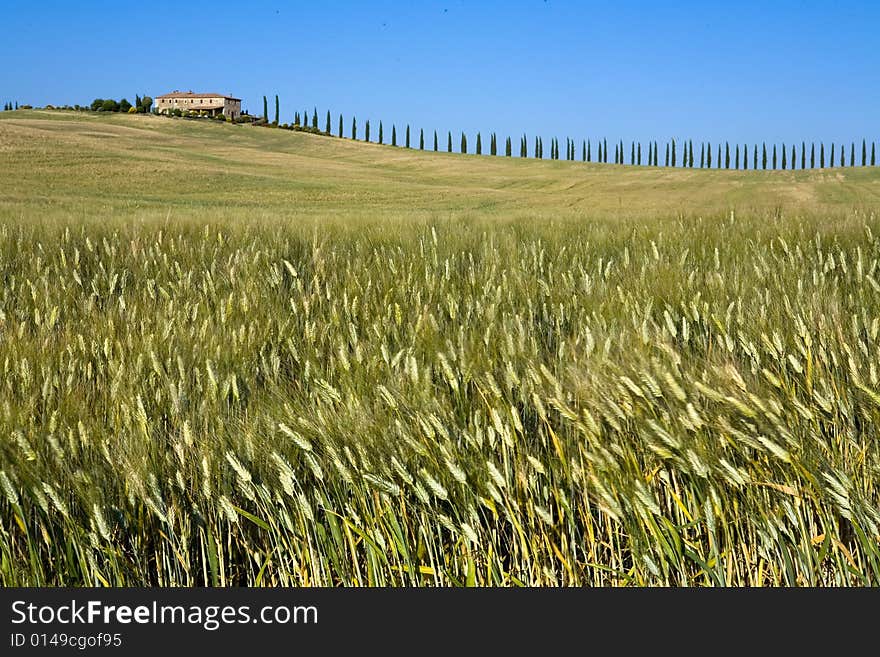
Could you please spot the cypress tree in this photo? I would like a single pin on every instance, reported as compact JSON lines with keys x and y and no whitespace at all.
{"x":605,"y":150}
{"x":822,"y":155}
{"x":632,"y":152}
{"x":508,"y":148}
{"x":421,"y":139}
{"x":719,"y":156}
{"x":541,"y":147}
{"x":523,"y":147}
{"x":277,"y":112}
{"x":436,"y":145}
{"x":463,"y":143}
{"x":832,"y":154}
{"x":872,"y":150}
{"x":407,"y":135}
{"x":589,"y":151}
{"x":691,"y":153}
{"x":639,"y":154}
{"x":537,"y":150}
{"x":327,"y":129}
{"x":709,"y":155}
{"x":493,"y":146}
{"x":803,"y":155}
{"x":736,"y":161}
{"x":702,"y":155}
{"x":864,"y":153}
{"x":666,"y":161}
{"x":726,"y":155}
{"x":367,"y":130}
{"x":479,"y":145}
{"x":783,"y":157}
{"x":393,"y":135}
{"x":842,"y":160}
{"x":265,"y":109}
{"x":449,"y":142}
{"x":656,"y":155}
{"x":813,"y":156}
{"x":381,"y":134}
{"x":584,"y":150}
{"x":340,"y":125}
{"x":296,"y":118}
{"x":673,"y":153}
{"x":599,"y":148}
{"x":354,"y":127}
{"x":764,"y":157}
{"x":852,"y":154}
{"x":314,"y":117}
{"x":746,"y":157}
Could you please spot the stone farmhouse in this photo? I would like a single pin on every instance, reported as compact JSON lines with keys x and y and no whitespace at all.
{"x":210,"y":104}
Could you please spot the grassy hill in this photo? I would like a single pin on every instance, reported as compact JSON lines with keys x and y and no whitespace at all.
{"x":241,"y":356}
{"x":86,"y":164}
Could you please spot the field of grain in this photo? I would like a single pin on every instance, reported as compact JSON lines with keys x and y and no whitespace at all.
{"x":237,"y":356}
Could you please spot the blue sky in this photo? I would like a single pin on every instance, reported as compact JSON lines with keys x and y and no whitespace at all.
{"x":740,"y":71}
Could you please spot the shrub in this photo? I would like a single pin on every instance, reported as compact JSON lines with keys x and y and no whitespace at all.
{"x":109,"y":105}
{"x":132,"y":110}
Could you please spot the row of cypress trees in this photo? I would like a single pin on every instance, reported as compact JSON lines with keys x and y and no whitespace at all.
{"x":7,"y":107}
{"x":737,"y":156}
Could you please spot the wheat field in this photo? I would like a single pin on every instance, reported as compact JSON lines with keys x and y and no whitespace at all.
{"x":234,"y":356}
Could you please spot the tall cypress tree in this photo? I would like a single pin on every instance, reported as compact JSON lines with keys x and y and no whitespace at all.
{"x":803,"y":155}
{"x":667,"y":154}
{"x":746,"y":157}
{"x":832,"y":154}
{"x":327,"y":129}
{"x":436,"y":144}
{"x":702,"y":155}
{"x":605,"y":150}
{"x":691,"y":153}
{"x":736,"y":161}
{"x":755,"y":158}
{"x":340,"y":124}
{"x":449,"y":141}
{"x":296,"y":118}
{"x":314,"y":116}
{"x":673,"y":152}
{"x":864,"y":153}
{"x":872,"y":151}
{"x":407,"y":135}
{"x":421,"y":139}
{"x":367,"y":130}
{"x":599,"y":148}
{"x":764,"y":157}
{"x":793,"y":158}
{"x":508,"y":148}
{"x":381,"y":134}
{"x":265,"y":110}
{"x":589,"y":149}
{"x":813,"y":156}
{"x":584,"y":150}
{"x":783,"y":157}
{"x":852,"y":154}
{"x":842,"y":160}
{"x":479,"y":145}
{"x":463,"y":143}
{"x":523,"y":147}
{"x":537,"y":152}
{"x":354,"y":127}
{"x":727,"y":155}
{"x":393,"y":135}
{"x":709,"y":155}
{"x":822,"y":155}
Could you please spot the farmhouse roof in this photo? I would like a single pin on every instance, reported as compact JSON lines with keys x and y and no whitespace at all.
{"x":190,"y":94}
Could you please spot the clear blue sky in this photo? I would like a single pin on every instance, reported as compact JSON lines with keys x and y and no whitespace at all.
{"x":777,"y":70}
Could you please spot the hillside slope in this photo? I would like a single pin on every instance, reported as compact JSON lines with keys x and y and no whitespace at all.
{"x":67,"y":164}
